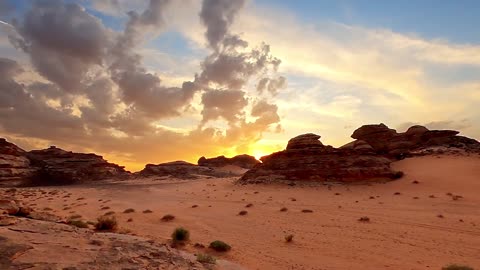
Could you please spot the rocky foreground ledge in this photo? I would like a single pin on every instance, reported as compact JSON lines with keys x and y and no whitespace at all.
{"x":368,"y":158}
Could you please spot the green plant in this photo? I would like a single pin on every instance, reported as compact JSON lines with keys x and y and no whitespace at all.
{"x":180,"y":234}
{"x":218,"y":245}
{"x":206,"y":258}
{"x":106,"y":223}
{"x":457,"y":267}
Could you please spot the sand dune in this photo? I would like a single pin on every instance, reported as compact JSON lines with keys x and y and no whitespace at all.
{"x":404,"y":232}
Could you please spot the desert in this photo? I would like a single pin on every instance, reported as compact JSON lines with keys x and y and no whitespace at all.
{"x":426,"y":219}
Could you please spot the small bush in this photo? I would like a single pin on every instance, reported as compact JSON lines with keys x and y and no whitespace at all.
{"x":289,"y":238}
{"x":283,"y":209}
{"x":148,"y":211}
{"x":180,"y":234}
{"x":106,"y":223}
{"x":249,"y":205}
{"x":78,"y":223}
{"x":206,"y":258}
{"x":194,"y":206}
{"x":415,"y":182}
{"x":364,"y":219}
{"x":168,"y":217}
{"x":397,"y":193}
{"x":397,"y":175}
{"x":218,"y":245}
{"x":307,"y":211}
{"x":457,"y":267}
{"x":242,"y":213}
{"x":129,"y":210}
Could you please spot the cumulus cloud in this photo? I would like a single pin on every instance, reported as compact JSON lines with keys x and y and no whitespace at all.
{"x":88,"y":89}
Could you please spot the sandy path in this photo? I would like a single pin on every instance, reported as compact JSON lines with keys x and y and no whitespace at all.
{"x":404,"y":232}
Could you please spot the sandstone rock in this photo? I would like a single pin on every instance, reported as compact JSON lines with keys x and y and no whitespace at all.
{"x":6,"y":220}
{"x":314,"y":162}
{"x":14,"y":165}
{"x":178,"y":169}
{"x":9,"y":207}
{"x":387,"y":141}
{"x":243,"y":161}
{"x":308,"y":140}
{"x":57,"y":167}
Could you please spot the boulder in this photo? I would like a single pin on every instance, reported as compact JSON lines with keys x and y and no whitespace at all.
{"x":308,"y":140}
{"x":314,"y":162}
{"x":242,"y":161}
{"x":14,"y":165}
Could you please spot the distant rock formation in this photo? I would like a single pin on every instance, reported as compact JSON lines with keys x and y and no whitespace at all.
{"x":53,"y":166}
{"x":177,"y":169}
{"x":386,"y":141}
{"x":14,"y":165}
{"x":242,"y":161}
{"x":57,"y":167}
{"x":307,"y":159}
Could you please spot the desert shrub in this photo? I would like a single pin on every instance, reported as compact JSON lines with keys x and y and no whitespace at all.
{"x":249,"y":205}
{"x":148,"y":211}
{"x":168,"y":217}
{"x":397,"y":175}
{"x":457,"y":267}
{"x":218,"y":245}
{"x":307,"y":211}
{"x":206,"y":258}
{"x":180,"y":234}
{"x":106,"y":223}
{"x":289,"y":238}
{"x":78,"y":223}
{"x":242,"y":213}
{"x":129,"y":210}
{"x":283,"y":209}
{"x":364,"y":219}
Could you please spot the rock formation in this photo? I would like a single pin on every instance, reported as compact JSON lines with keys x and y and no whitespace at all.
{"x":177,"y":169}
{"x":57,"y":166}
{"x":386,"y":141}
{"x":307,"y":159}
{"x":14,"y":165}
{"x":52,"y":166}
{"x":242,"y":161}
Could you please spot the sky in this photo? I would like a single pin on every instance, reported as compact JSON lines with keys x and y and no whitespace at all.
{"x":152,"y":81}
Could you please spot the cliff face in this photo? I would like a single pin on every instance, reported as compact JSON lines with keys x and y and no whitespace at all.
{"x":53,"y":166}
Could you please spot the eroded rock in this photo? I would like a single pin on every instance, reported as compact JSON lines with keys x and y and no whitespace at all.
{"x":242,"y":161}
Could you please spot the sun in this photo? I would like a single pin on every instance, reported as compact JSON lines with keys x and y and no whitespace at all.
{"x":258,"y":153}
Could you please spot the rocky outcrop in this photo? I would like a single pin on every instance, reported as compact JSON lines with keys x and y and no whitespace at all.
{"x":57,"y":166}
{"x":307,"y":159}
{"x":389,"y":142}
{"x":52,"y":166}
{"x":180,"y":169}
{"x":242,"y":161}
{"x":14,"y":165}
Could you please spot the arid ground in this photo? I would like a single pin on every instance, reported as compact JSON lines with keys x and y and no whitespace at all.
{"x":427,"y":219}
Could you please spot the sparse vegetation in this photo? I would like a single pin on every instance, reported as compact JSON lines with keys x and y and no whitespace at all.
{"x":440,"y":216}
{"x":415,"y":182}
{"x":457,"y":267}
{"x":364,"y":219}
{"x":397,"y":193}
{"x":148,"y":211}
{"x":106,"y":223}
{"x":283,"y":209}
{"x":289,"y":238}
{"x":168,"y":217}
{"x":180,"y":234}
{"x":307,"y":211}
{"x":78,"y":223}
{"x":397,"y":175}
{"x":242,"y":213}
{"x":221,"y":246}
{"x":249,"y":205}
{"x":194,"y":206}
{"x":129,"y":210}
{"x":206,"y":258}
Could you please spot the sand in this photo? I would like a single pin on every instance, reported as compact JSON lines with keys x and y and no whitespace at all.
{"x":405,"y":230}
